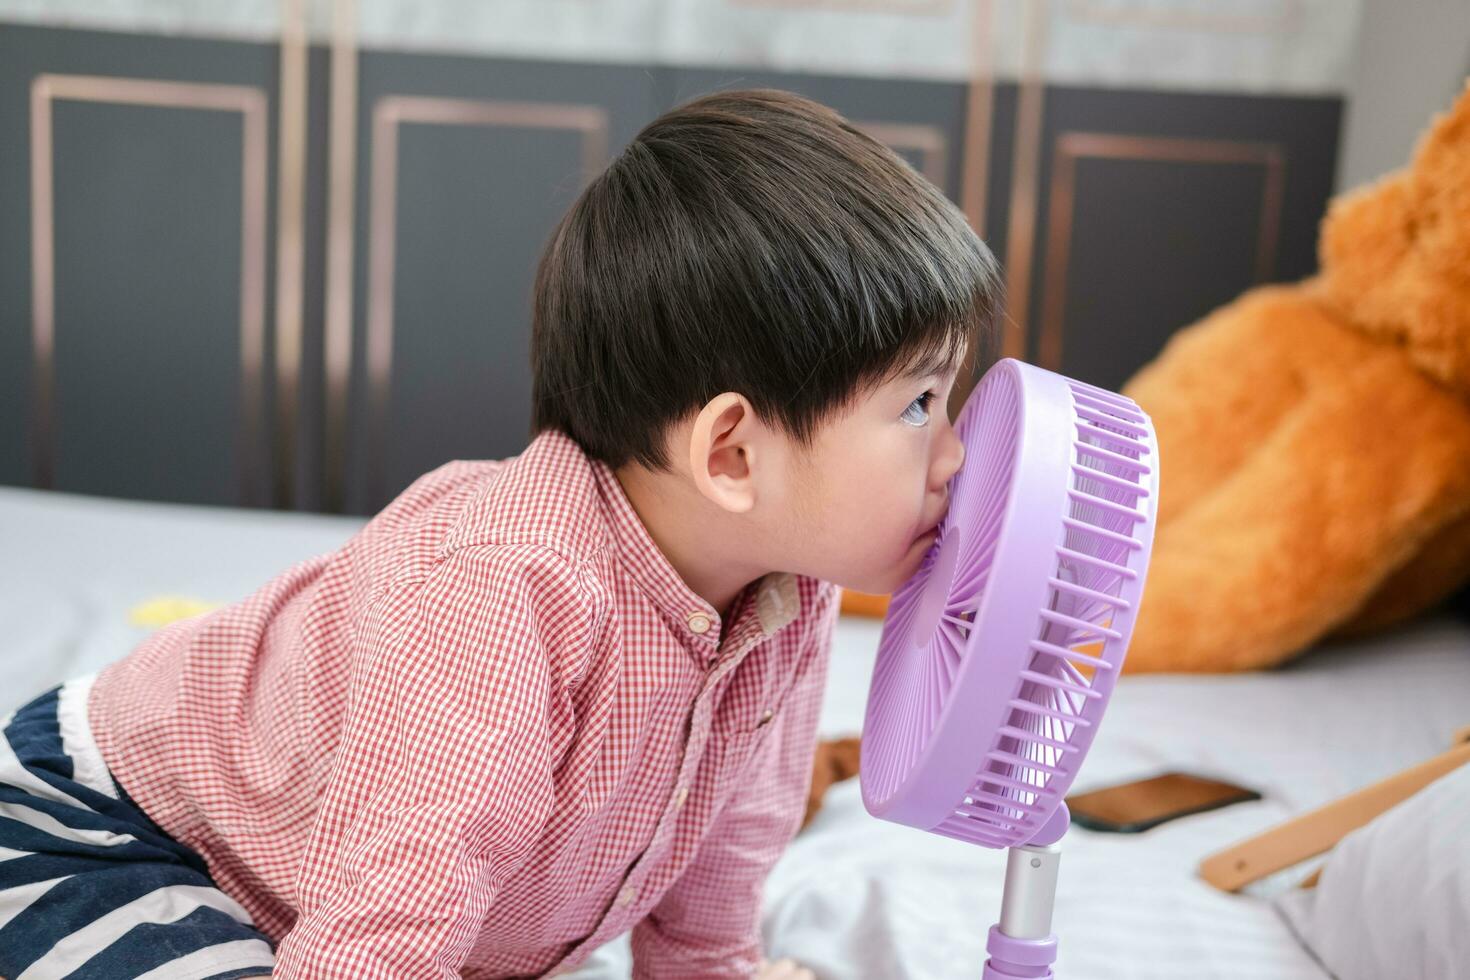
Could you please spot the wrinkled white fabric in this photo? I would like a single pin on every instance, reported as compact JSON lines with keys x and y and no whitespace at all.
{"x":1394,"y":896}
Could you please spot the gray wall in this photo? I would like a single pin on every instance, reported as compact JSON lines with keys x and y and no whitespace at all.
{"x":1413,"y":59}
{"x":1181,"y":200}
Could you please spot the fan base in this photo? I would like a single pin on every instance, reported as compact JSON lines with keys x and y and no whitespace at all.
{"x":1019,"y":959}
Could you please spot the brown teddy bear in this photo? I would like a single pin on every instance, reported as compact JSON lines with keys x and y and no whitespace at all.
{"x":1314,"y":441}
{"x":1314,"y":438}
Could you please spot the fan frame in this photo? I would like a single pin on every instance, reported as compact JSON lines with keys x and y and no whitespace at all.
{"x":942,"y":788}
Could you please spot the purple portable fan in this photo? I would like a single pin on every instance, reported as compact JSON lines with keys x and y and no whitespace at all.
{"x":999,"y":655}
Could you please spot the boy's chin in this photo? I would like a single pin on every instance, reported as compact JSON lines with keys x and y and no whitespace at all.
{"x":887,"y":579}
{"x":876,"y":584}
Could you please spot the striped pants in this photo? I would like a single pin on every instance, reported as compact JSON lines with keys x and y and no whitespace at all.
{"x":90,"y":887}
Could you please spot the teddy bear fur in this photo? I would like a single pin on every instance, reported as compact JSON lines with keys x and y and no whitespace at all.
{"x":1314,"y":438}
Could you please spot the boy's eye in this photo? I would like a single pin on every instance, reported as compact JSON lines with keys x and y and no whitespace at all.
{"x":917,"y":414}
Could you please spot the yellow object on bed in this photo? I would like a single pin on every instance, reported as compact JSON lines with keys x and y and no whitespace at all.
{"x":164,"y":609}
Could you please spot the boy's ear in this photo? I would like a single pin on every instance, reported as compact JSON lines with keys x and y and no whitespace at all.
{"x":722,"y":451}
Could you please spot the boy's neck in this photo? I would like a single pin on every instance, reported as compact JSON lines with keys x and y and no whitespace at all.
{"x":697,"y":543}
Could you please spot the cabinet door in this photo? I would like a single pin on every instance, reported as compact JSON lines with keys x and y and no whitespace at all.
{"x":1154,"y":208}
{"x":466,"y":166}
{"x":134,"y":335}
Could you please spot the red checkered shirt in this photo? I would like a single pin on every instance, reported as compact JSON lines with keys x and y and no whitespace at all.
{"x":492,"y":732}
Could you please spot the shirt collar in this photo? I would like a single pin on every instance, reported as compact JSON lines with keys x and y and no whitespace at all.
{"x":776,"y":599}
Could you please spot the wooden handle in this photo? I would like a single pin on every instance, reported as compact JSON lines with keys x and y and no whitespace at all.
{"x":1317,"y":831}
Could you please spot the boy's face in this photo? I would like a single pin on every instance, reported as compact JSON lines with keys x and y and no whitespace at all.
{"x":865,"y":499}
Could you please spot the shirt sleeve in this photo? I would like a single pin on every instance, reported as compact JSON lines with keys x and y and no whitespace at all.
{"x":708,"y":923}
{"x":444,"y":776}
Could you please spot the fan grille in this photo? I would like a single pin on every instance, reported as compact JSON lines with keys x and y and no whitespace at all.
{"x":1076,"y":653}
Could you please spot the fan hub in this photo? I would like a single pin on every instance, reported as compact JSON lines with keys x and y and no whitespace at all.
{"x":937,"y":589}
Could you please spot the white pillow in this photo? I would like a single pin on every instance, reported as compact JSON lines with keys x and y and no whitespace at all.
{"x":1393,"y":900}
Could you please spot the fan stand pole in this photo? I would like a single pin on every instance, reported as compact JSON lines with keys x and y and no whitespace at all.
{"x":1021,"y":944}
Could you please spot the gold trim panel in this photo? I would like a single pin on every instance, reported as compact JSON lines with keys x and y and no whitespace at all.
{"x":975,"y":161}
{"x":341,"y":232}
{"x":928,"y":141}
{"x":979,"y":108}
{"x":389,"y":114}
{"x":1072,"y":147}
{"x":251,"y":103}
{"x":290,"y":243}
{"x":1025,"y":163}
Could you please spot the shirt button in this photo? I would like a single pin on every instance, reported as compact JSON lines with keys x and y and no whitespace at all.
{"x":699,"y":622}
{"x":681,"y":795}
{"x":767,"y":716}
{"x":626,"y":896}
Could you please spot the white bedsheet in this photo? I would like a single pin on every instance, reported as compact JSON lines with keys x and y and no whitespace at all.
{"x":72,"y":567}
{"x":854,"y":897}
{"x":861,"y":898}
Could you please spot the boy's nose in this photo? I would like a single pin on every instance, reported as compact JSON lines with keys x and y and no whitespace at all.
{"x":955,"y":460}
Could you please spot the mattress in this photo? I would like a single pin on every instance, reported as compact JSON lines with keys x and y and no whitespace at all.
{"x":854,"y":897}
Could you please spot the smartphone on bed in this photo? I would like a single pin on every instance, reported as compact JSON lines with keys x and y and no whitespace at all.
{"x":1131,"y":807}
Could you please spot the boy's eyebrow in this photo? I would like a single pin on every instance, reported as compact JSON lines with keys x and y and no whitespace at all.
{"x":935,"y":362}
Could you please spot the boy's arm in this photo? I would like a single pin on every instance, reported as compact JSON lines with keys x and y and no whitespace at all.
{"x":443,"y":779}
{"x":708,"y":923}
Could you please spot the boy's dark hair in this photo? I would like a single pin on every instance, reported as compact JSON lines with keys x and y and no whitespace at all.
{"x":749,"y":241}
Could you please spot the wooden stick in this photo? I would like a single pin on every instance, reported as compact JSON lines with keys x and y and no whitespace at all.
{"x":1317,"y":831}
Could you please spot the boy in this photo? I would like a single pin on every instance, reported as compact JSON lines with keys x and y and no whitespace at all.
{"x":538,"y":702}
